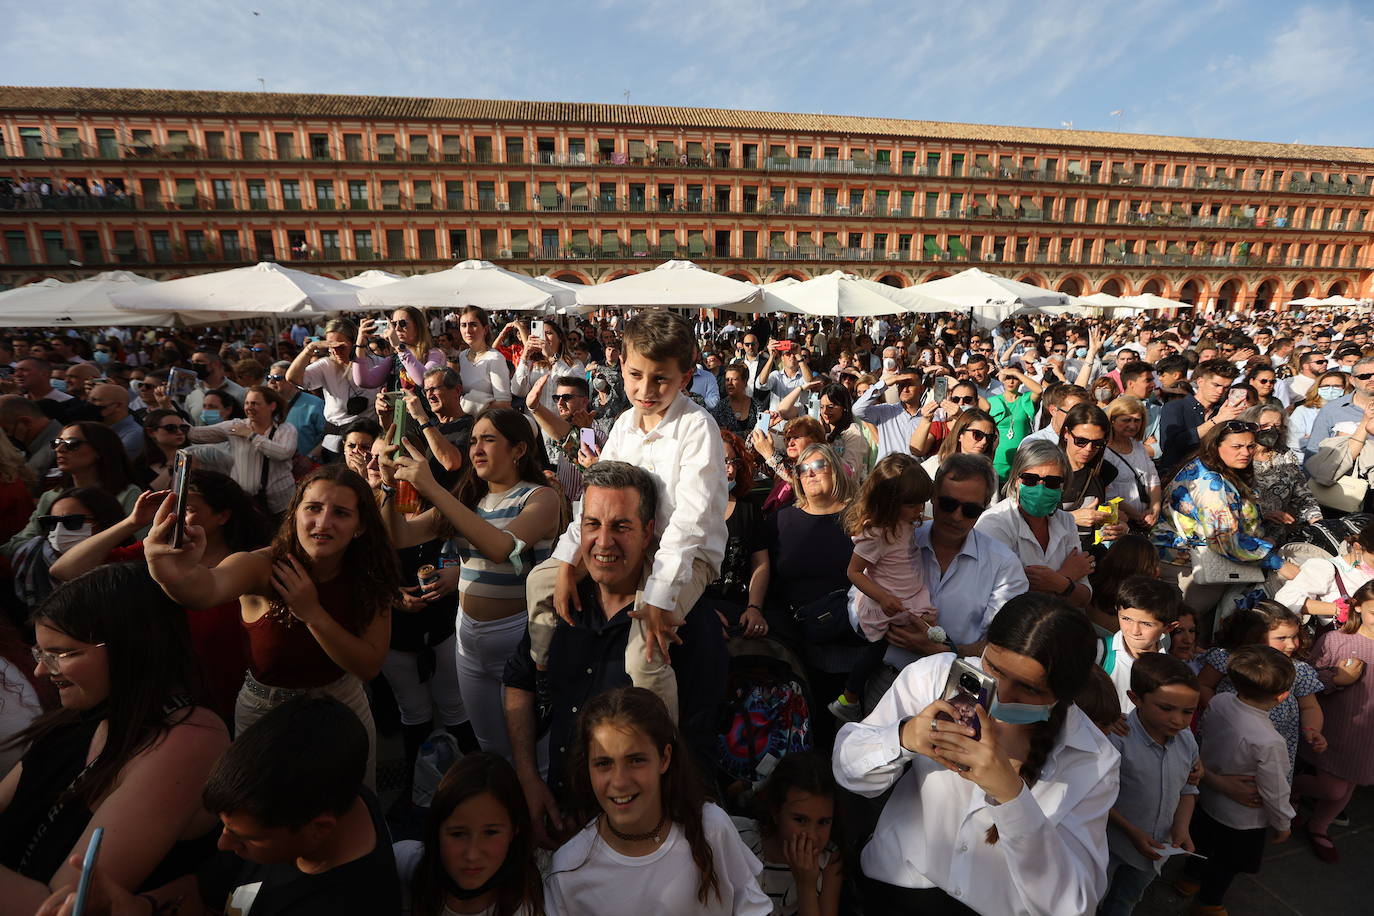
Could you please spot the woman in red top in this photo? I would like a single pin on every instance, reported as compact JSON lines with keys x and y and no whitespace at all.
{"x":231,"y":523}
{"x":315,"y":603}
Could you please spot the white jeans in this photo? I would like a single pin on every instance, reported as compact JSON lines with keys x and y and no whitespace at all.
{"x":439,"y":699}
{"x":484,"y":647}
{"x":347,"y":690}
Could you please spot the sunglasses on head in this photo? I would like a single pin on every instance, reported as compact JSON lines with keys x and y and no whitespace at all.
{"x":1239,"y":426}
{"x":69,"y":444}
{"x":948,"y":504}
{"x":1051,"y":481}
{"x":49,"y":523}
{"x":182,"y":428}
{"x":1082,"y":442}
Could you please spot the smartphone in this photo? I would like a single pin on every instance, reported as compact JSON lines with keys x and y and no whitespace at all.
{"x":925,"y":357}
{"x":180,"y":383}
{"x":381,"y":326}
{"x":965,"y":688}
{"x":83,"y":887}
{"x":181,"y":477}
{"x":536,"y":327}
{"x":1237,"y":396}
{"x":941,"y":390}
{"x":588,"y":440}
{"x":400,"y":417}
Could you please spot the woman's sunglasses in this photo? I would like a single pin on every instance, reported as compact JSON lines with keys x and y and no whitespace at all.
{"x":182,"y":428}
{"x":49,"y":523}
{"x":69,"y":444}
{"x":977,"y":434}
{"x":1051,"y":481}
{"x":812,"y":467}
{"x":1082,"y":442}
{"x":964,"y":399}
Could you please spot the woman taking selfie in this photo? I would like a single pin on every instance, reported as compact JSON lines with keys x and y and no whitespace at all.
{"x":327,"y":366}
{"x":415,"y":352}
{"x":544,"y":354}
{"x":1007,"y":819}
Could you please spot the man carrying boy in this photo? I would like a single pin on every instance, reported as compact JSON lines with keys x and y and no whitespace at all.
{"x":1156,"y":801}
{"x":677,"y":442}
{"x":1238,"y":737}
{"x":1146,"y":610}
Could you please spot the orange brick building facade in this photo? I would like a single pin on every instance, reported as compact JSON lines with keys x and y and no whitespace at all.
{"x":169,"y":183}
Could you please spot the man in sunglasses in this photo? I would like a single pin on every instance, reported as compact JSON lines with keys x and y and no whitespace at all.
{"x":970,"y":574}
{"x":304,"y":410}
{"x":1295,"y":389}
{"x":895,"y":422}
{"x":1356,"y":408}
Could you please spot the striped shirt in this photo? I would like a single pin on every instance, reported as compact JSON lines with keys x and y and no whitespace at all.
{"x":486,"y":579}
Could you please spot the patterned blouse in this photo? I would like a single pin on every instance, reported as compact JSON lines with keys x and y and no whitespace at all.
{"x":1281,"y":486}
{"x":1204,"y":509}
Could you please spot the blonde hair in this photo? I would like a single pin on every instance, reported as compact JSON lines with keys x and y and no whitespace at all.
{"x":1127,"y":406}
{"x":842,"y":486}
{"x":13,"y":466}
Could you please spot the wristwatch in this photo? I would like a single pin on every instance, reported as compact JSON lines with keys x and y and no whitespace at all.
{"x":429,"y":425}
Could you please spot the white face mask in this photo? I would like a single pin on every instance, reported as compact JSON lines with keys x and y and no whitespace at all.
{"x":62,"y":540}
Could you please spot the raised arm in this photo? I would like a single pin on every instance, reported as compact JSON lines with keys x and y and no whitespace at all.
{"x":92,"y":552}
{"x":179,"y":573}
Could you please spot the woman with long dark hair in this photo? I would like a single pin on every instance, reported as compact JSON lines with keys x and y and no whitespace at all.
{"x":486,"y":377}
{"x":544,"y":354}
{"x":316,"y":602}
{"x":1011,"y":821}
{"x":128,"y":750}
{"x":507,"y":520}
{"x":164,"y":431}
{"x":649,"y":824}
{"x":477,"y":851}
{"x":1084,"y":437}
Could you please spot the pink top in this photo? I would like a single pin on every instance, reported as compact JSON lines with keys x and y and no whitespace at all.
{"x":371,"y":372}
{"x":1348,"y":711}
{"x":895,"y":565}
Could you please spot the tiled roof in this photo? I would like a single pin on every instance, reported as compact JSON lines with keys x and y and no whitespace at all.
{"x":392,"y":108}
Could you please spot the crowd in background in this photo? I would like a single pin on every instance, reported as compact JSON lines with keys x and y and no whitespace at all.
{"x":634,"y":607}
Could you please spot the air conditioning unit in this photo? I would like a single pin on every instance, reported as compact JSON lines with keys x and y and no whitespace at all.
{"x":504,"y":253}
{"x":502,"y":205}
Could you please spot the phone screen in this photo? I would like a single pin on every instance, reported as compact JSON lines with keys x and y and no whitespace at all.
{"x":965,"y":688}
{"x":588,"y":439}
{"x":400,"y":417}
{"x":1237,"y":396}
{"x":180,"y":383}
{"x":83,"y":887}
{"x":181,"y":478}
{"x":941,"y":389}
{"x":536,"y":328}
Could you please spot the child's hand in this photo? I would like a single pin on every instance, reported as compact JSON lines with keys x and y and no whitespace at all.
{"x":1315,"y":740}
{"x":803,"y":859}
{"x":891,"y":605}
{"x":565,"y":596}
{"x":1146,"y":845}
{"x":659,"y":631}
{"x":1348,"y":672}
{"x":1121,"y":727}
{"x":1182,"y":839}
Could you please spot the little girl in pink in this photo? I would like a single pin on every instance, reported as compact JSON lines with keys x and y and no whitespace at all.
{"x":885,"y":568}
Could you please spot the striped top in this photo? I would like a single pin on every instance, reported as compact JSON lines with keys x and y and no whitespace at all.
{"x":483,"y":578}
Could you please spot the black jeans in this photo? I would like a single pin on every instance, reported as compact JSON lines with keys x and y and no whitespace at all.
{"x":881,"y":899}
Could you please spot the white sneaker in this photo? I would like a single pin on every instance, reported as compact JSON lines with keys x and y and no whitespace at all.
{"x":846,"y":712}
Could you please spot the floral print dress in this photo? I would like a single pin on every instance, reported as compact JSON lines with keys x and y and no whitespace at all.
{"x":1204,"y":509}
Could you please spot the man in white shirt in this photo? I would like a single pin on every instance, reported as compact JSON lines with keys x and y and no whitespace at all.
{"x":779,"y":383}
{"x":1294,"y":390}
{"x":895,"y":422}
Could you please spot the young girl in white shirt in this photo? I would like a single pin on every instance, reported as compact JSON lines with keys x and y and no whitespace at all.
{"x":1014,"y":821}
{"x":802,"y":872}
{"x":654,"y":841}
{"x":477,"y":855}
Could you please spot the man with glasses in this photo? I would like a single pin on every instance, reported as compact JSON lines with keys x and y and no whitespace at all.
{"x":563,"y":431}
{"x":895,"y":422}
{"x":970,"y":574}
{"x":304,"y":410}
{"x":1355,"y":409}
{"x":750,"y":356}
{"x":1293,"y":390}
{"x":447,"y":431}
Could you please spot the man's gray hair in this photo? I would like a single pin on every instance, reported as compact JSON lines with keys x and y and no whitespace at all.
{"x":1364,"y":361}
{"x":968,"y":466}
{"x":281,"y":366}
{"x":1032,"y":454}
{"x":621,"y":475}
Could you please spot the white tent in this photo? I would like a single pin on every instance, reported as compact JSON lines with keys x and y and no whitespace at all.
{"x":243,"y":292}
{"x":467,"y":283}
{"x":1104,"y":300}
{"x":992,"y":297}
{"x":1306,"y":302}
{"x":1334,"y":302}
{"x":680,"y":284}
{"x":84,"y":303}
{"x":833,"y":295}
{"x":1149,"y":302}
{"x":371,"y":278}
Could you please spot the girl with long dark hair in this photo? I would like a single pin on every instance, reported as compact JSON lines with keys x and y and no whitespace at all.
{"x":651,"y":833}
{"x":1012,"y":821}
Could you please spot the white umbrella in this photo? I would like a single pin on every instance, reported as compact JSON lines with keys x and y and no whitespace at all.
{"x":974,"y":288}
{"x":1334,"y":302}
{"x":1104,"y":300}
{"x":1306,"y":301}
{"x":679,"y":284}
{"x":84,"y":303}
{"x":1149,"y":302}
{"x":467,"y":283}
{"x":243,"y":292}
{"x":370,"y":278}
{"x":833,"y":295}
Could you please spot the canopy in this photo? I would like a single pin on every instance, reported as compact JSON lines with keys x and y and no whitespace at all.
{"x":974,"y":288}
{"x":1333,"y":302}
{"x":266,"y":288}
{"x":84,"y":303}
{"x":479,"y":283}
{"x":1306,"y":301}
{"x":681,"y":284}
{"x":833,"y":295}
{"x":1149,"y":302}
{"x":370,"y":278}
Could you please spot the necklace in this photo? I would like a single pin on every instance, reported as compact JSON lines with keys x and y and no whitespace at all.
{"x":655,"y":834}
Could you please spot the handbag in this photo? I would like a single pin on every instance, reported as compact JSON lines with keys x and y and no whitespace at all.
{"x":826,"y":619}
{"x":1345,"y":495}
{"x":1211,"y":568}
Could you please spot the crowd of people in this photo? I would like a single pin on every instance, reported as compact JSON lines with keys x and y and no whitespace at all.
{"x":774,"y":617}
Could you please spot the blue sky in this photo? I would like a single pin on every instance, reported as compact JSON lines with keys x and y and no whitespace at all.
{"x":1249,"y":69}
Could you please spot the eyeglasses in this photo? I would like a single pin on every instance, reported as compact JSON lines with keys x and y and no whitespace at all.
{"x":1363,"y":376}
{"x":560,"y":398}
{"x":965,"y":399}
{"x":69,"y":444}
{"x":1082,"y":442}
{"x":1239,"y":426}
{"x":52,"y":661}
{"x":812,"y":467}
{"x":977,"y":434}
{"x":400,"y":323}
{"x":948,"y":504}
{"x":146,"y":385}
{"x":751,"y":343}
{"x":182,"y":428}
{"x":276,"y":378}
{"x":1059,"y":351}
{"x":49,"y":523}
{"x":1051,"y":481}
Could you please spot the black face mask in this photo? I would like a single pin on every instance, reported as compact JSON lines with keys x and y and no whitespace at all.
{"x":201,"y":370}
{"x":1268,"y":438}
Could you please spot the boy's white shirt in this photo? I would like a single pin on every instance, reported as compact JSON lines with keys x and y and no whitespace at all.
{"x":685,"y":455}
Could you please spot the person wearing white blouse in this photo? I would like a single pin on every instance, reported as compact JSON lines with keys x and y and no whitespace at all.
{"x":1012,"y":822}
{"x":544,"y":355}
{"x":486,"y":378}
{"x":261,"y":447}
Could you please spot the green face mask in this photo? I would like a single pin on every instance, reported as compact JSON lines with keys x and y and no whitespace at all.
{"x":1039,"y":501}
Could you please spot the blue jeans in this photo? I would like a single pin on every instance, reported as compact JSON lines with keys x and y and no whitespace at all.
{"x":1125,"y":886}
